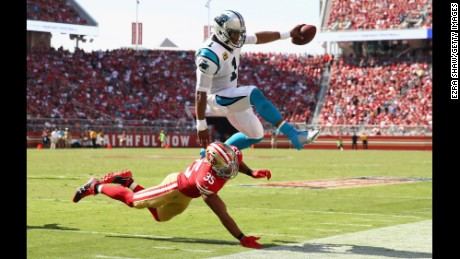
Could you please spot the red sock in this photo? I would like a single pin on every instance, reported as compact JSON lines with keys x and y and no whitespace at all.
{"x":138,"y":188}
{"x":118,"y":192}
{"x":154,"y":213}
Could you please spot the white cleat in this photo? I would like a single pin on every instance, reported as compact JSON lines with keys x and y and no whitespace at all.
{"x":310,"y":137}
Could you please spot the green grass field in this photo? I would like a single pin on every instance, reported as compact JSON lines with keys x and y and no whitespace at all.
{"x":99,"y":227}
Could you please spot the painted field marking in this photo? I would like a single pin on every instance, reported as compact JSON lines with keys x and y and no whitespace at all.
{"x":316,"y":229}
{"x":183,"y":249}
{"x":260,"y":209}
{"x":381,"y":220}
{"x":323,"y":212}
{"x":115,"y":257}
{"x":343,"y":224}
{"x":339,"y":183}
{"x":279,"y":235}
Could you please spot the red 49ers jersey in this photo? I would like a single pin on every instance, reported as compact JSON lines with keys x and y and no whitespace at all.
{"x":199,"y":179}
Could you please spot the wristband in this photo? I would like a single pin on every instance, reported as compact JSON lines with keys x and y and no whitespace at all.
{"x":249,"y":172}
{"x":240,"y":236}
{"x":285,"y":35}
{"x":201,"y":125}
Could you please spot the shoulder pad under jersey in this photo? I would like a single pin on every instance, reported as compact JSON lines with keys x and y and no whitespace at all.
{"x":207,"y":61}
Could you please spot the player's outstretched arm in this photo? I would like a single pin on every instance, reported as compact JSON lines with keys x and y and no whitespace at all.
{"x":220,"y":209}
{"x":297,"y":34}
{"x":200,"y":110}
{"x":269,"y":36}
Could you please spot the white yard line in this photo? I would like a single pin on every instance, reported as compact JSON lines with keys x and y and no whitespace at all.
{"x":342,"y":224}
{"x":267,"y":209}
{"x":182,"y":249}
{"x":322,"y":212}
{"x":115,"y":257}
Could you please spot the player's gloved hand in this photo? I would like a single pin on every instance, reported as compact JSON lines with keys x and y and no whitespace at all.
{"x":261,"y":173}
{"x":250,"y":242}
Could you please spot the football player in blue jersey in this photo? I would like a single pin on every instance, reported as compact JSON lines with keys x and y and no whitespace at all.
{"x":217,"y":75}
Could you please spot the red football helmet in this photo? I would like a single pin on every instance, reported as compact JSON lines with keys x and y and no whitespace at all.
{"x":223,"y":160}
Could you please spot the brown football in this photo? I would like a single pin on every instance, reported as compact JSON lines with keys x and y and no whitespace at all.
{"x":308,"y":32}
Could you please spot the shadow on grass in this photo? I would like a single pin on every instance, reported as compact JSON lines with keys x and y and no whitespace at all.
{"x":335,"y":249}
{"x":54,"y":226}
{"x":166,"y":239}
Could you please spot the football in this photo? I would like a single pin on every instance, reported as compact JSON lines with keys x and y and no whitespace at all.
{"x":307,"y":32}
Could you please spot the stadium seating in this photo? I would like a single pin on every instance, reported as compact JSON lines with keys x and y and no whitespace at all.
{"x":381,"y":91}
{"x":60,"y":11}
{"x":155,"y":84}
{"x":345,"y":15}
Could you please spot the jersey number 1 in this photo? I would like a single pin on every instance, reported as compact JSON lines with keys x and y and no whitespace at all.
{"x":234,"y":75}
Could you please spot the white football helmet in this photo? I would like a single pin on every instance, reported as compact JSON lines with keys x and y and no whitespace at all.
{"x":230,"y":29}
{"x":222,"y":159}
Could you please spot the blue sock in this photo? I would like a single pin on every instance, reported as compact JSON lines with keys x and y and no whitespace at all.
{"x":241,"y":141}
{"x":287,"y":129}
{"x":264,"y":107}
{"x":202,"y":152}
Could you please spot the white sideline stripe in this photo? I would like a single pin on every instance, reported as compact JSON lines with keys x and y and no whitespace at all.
{"x":325,"y":212}
{"x":413,"y":240}
{"x":183,"y":249}
{"x":342,"y":224}
{"x":325,"y":230}
{"x":265,"y":209}
{"x":390,"y":197}
{"x":419,"y":212}
{"x":278,"y":235}
{"x":317,"y":229}
{"x":382,"y":220}
{"x":115,"y":257}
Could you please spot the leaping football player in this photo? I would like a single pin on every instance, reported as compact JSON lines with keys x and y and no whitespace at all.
{"x":217,"y":65}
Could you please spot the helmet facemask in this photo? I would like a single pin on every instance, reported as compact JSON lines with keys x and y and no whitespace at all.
{"x":228,"y":172}
{"x":223,"y":160}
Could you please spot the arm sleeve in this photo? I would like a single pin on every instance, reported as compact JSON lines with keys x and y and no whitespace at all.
{"x":251,"y":39}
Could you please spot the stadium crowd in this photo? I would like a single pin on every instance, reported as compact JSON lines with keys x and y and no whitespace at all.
{"x":60,"y":11}
{"x":347,"y":15}
{"x":155,"y":84}
{"x":152,"y":85}
{"x":379,"y":90}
